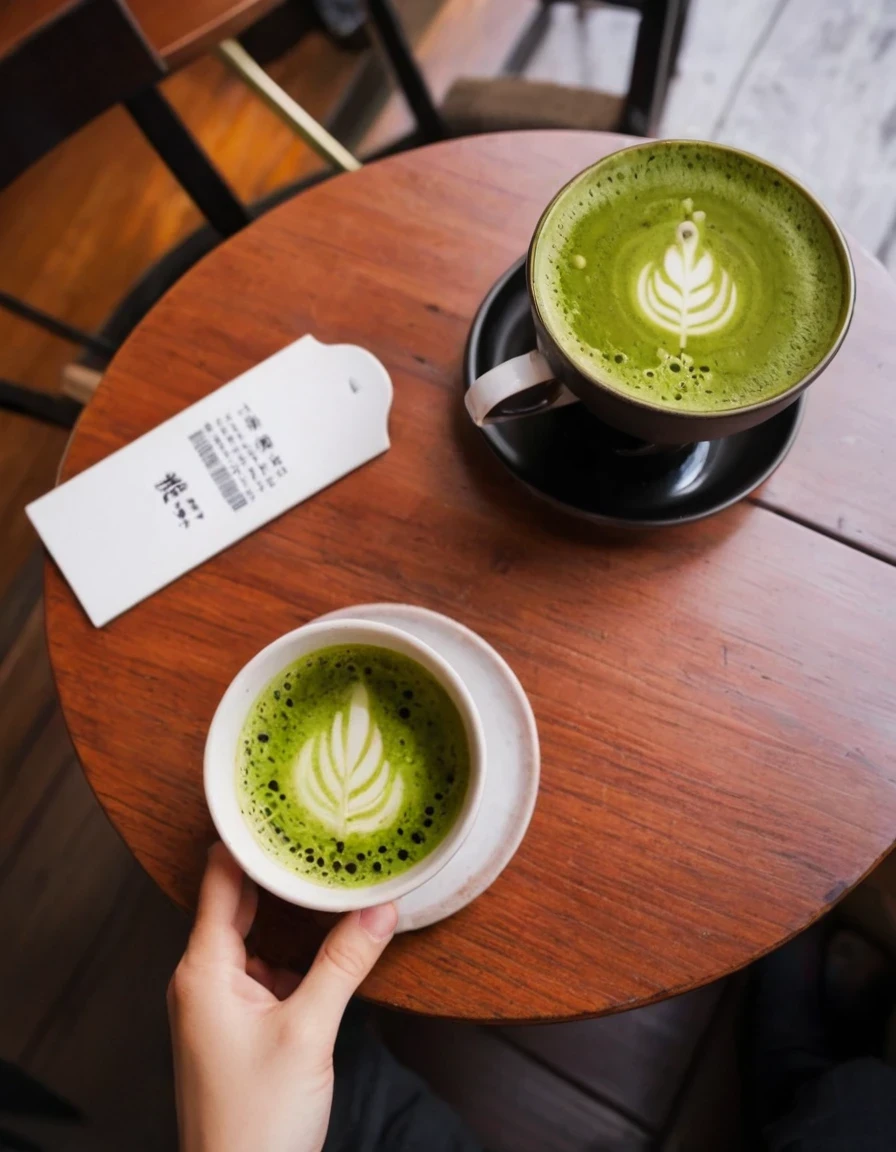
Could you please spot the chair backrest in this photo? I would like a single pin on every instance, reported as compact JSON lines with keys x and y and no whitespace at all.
{"x":62,"y":64}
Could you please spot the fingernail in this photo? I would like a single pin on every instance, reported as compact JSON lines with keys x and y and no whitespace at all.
{"x":379,"y":922}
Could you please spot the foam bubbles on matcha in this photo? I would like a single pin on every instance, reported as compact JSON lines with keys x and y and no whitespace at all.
{"x":353,"y":765}
{"x":706,"y":280}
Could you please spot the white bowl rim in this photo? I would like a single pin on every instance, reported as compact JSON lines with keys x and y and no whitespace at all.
{"x":219,"y":766}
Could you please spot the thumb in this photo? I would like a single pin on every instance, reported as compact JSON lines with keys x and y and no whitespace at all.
{"x":345,"y":959}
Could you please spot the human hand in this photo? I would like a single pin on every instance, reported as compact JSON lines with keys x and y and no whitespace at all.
{"x":253,"y":1046}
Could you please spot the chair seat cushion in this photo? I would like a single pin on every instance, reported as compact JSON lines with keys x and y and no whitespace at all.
{"x":505,"y":103}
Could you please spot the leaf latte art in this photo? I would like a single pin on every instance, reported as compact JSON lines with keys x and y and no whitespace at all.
{"x":689,"y":276}
{"x":688,"y":293}
{"x":353,"y":765}
{"x":342,"y":776}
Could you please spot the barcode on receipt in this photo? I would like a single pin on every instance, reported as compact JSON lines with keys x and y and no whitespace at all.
{"x":218,"y":471}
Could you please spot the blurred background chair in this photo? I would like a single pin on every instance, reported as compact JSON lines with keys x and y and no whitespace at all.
{"x":511,"y":101}
{"x":61,"y":65}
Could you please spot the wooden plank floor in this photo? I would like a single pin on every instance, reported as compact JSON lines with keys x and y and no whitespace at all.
{"x":90,"y":941}
{"x":810,"y":83}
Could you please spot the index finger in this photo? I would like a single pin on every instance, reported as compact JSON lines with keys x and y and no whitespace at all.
{"x":226,"y":909}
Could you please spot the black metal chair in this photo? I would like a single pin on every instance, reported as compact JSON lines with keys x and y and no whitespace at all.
{"x":55,"y":79}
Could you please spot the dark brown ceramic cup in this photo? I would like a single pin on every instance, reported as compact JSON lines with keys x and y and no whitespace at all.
{"x":547,"y":377}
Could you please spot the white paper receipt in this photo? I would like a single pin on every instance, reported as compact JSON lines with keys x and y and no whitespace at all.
{"x":244,"y":454}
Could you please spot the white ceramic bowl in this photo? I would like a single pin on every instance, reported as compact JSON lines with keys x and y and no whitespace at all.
{"x":220,"y":772}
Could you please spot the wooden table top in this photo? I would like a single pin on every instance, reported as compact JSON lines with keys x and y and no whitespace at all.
{"x":179,"y":30}
{"x":716,"y":702}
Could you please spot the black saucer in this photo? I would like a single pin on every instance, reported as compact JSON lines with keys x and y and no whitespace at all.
{"x":565,"y":456}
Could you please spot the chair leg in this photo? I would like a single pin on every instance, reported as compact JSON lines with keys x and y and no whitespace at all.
{"x":190,"y":166}
{"x":658,"y":36}
{"x":677,"y":36}
{"x":98,"y":344}
{"x":59,"y":410}
{"x":294,"y":115}
{"x":530,"y":39}
{"x":398,"y":51}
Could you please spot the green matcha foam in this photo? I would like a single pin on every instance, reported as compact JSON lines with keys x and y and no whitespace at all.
{"x":688,"y":276}
{"x":353,"y":765}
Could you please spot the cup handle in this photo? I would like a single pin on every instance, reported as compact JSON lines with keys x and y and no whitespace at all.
{"x":487,"y":396}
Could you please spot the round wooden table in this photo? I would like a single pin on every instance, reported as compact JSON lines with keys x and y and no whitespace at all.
{"x":716,"y":702}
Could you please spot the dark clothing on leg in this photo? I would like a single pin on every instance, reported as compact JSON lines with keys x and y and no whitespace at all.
{"x":380,"y":1106}
{"x":849,"y":1108}
{"x":803,"y":1094}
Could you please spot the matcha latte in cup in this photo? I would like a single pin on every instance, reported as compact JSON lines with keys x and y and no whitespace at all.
{"x":681,"y":291}
{"x":344,"y":766}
